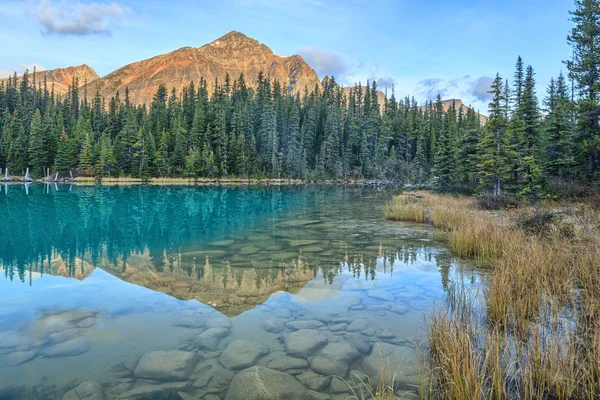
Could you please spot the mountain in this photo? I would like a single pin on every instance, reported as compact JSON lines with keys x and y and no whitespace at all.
{"x":234,"y":53}
{"x":62,"y":78}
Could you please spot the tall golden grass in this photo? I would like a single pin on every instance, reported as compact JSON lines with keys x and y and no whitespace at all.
{"x":533,"y":332}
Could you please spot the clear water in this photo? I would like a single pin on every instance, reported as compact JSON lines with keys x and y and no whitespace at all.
{"x":172,"y":292}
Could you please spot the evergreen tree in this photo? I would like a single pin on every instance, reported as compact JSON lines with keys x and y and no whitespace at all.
{"x":584,"y":69}
{"x":558,"y":156}
{"x":37,"y":148}
{"x":491,"y":165}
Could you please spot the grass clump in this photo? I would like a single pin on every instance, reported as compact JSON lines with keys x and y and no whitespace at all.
{"x":533,"y":331}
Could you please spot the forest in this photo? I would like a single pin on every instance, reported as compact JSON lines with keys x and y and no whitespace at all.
{"x":528,"y":147}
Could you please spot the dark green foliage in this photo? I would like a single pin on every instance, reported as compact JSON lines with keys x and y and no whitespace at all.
{"x":324,"y":133}
{"x":584,"y":69}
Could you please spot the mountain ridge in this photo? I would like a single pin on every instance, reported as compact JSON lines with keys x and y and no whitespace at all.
{"x":233,"y":53}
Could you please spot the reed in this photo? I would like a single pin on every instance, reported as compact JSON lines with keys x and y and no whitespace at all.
{"x":534,"y":330}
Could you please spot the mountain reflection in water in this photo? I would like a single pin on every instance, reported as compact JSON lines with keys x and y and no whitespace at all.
{"x":98,"y":277}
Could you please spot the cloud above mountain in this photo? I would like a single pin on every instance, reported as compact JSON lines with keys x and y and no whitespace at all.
{"x":466,"y":87}
{"x":68,"y":17}
{"x":325,"y":62}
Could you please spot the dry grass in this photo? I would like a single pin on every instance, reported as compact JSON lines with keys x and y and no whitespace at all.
{"x":536,"y":333}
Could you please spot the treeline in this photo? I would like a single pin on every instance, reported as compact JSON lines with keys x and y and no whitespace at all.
{"x":235,"y":131}
{"x":327,"y":133}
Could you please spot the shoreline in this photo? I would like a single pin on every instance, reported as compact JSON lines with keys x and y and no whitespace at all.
{"x":88,"y":181}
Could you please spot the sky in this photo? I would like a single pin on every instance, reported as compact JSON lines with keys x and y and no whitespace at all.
{"x":418,"y":47}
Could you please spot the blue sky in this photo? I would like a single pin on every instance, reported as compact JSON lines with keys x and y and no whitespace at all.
{"x":422,"y":47}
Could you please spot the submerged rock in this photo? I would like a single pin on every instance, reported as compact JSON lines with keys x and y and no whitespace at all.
{"x":334,"y":359}
{"x":304,"y":324}
{"x":312,"y":395}
{"x":209,"y":339}
{"x":242,"y":354}
{"x":212,"y":376}
{"x":166,"y":365}
{"x":273,"y":325}
{"x":88,"y":390}
{"x":260,"y":383}
{"x":19,"y":357}
{"x":314,"y":381}
{"x":358,"y":325}
{"x":338,"y":386}
{"x":388,"y":362}
{"x":358,"y":342}
{"x":10,"y":340}
{"x":304,"y":343}
{"x":288,"y":364}
{"x":63,"y":336}
{"x":66,"y":349}
{"x":147,"y":387}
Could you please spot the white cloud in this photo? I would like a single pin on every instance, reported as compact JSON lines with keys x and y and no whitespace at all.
{"x":325,"y":62}
{"x":71,"y":17}
{"x":4,"y":73}
{"x":469,"y":90}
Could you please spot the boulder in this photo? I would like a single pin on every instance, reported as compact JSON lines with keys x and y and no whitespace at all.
{"x":88,"y":390}
{"x":19,"y":357}
{"x":212,"y":376}
{"x":304,"y":343}
{"x":388,"y":362}
{"x":385,"y":334}
{"x":358,"y":342}
{"x":288,"y":364}
{"x":304,"y":324}
{"x":9,"y":340}
{"x":260,"y":383}
{"x":338,"y":386}
{"x":314,"y":381}
{"x":192,"y":322}
{"x":63,"y":336}
{"x":242,"y":354}
{"x":338,"y":327}
{"x":171,"y":365}
{"x":143,"y":387}
{"x":86,"y":322}
{"x":400,"y":309}
{"x":358,"y":325}
{"x":334,"y":359}
{"x":209,"y":339}
{"x":73,"y":347}
{"x":312,"y":395}
{"x":273,"y":325}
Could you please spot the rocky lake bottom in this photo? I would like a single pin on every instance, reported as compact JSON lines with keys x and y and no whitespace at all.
{"x":311,"y":296}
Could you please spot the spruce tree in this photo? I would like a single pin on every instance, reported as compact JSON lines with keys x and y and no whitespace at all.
{"x":584,"y":69}
{"x":37,"y":148}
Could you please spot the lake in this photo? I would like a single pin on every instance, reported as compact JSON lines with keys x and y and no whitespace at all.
{"x":128,"y":292}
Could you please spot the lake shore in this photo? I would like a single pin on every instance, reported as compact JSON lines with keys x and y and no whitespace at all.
{"x":532,"y":331}
{"x":207,"y":181}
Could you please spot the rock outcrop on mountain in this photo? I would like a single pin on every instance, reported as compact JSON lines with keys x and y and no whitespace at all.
{"x":233,"y":54}
{"x":62,"y":78}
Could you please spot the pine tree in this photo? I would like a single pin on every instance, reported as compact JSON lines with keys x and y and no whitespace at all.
{"x":37,"y":148}
{"x":66,"y":156}
{"x":490,"y":147}
{"x":558,"y":156}
{"x":534,"y":180}
{"x":86,"y":161}
{"x":584,"y":69}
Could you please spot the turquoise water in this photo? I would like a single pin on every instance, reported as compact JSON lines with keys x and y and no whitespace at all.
{"x":210,"y":292}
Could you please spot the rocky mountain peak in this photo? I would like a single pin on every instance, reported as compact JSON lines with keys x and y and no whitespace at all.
{"x":235,"y":43}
